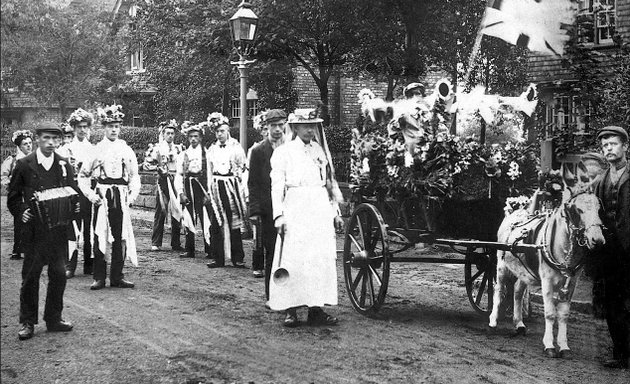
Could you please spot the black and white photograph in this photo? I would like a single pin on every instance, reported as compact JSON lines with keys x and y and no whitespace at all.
{"x":329,"y":191}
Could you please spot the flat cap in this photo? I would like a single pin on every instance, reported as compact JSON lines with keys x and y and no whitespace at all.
{"x":274,"y":115}
{"x":49,"y":128}
{"x":613,"y":130}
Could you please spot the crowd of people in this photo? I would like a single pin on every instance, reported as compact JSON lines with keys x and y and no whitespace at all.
{"x":284,"y":186}
{"x":214,"y":190}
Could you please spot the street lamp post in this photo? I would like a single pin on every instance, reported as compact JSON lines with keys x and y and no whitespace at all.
{"x":243,"y":27}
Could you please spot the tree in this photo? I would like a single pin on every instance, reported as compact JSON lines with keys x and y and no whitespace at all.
{"x":319,"y":35}
{"x":60,"y":55}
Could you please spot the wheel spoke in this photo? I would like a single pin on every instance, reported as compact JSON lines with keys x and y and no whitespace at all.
{"x":482,"y":288}
{"x":355,"y":283}
{"x":363,"y":291}
{"x":356,"y":243}
{"x":361,"y":232}
{"x":475,"y":276}
{"x":378,"y":278}
{"x":372,"y":289}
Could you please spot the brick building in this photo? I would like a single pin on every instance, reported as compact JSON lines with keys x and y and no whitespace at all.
{"x":599,"y":20}
{"x":343,"y":93}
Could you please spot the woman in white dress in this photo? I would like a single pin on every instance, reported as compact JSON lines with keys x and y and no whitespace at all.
{"x":305,"y":214}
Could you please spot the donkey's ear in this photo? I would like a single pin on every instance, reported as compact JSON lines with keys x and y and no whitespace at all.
{"x":582,"y":173}
{"x":568,"y":175}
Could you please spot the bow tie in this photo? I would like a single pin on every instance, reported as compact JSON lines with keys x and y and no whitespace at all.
{"x":221,"y":145}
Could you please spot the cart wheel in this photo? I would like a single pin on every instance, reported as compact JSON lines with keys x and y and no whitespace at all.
{"x":366,"y":259}
{"x":479,"y":273}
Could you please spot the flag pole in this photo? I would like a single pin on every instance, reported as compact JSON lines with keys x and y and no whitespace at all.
{"x":471,"y":60}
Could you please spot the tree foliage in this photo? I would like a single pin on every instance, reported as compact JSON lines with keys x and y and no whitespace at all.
{"x":319,"y":35}
{"x":60,"y":55}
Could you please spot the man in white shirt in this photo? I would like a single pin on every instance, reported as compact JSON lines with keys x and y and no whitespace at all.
{"x":192,"y":186}
{"x":226,"y":163}
{"x":81,"y":150}
{"x":115,"y":168}
{"x":163,"y":159}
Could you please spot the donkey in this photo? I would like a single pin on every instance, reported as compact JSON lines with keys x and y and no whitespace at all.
{"x":562,"y":234}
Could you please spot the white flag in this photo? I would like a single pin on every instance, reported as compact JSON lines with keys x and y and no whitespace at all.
{"x":535,"y":24}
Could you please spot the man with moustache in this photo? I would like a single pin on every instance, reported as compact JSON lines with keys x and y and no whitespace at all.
{"x":611,"y":285}
{"x":40,"y":171}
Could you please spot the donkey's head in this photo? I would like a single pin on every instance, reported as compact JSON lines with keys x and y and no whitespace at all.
{"x":581,"y":208}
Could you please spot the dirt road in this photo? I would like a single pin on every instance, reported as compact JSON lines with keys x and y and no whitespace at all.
{"x":184,"y":323}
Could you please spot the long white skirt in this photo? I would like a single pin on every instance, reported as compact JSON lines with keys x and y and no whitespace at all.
{"x":308,"y":253}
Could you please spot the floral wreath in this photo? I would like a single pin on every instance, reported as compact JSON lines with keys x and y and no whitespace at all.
{"x":189,"y":126}
{"x":66,"y":128}
{"x":21,"y":134}
{"x":260,"y":120}
{"x":110,"y":114}
{"x":80,"y":115}
{"x":216,"y":119}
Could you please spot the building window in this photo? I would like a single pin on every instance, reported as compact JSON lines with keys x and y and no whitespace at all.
{"x":568,"y":112}
{"x":136,"y":61}
{"x":596,"y":21}
{"x":252,"y":108}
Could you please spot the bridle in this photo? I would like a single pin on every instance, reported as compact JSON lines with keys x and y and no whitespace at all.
{"x":577,"y":236}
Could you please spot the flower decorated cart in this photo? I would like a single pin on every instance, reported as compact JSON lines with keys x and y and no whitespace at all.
{"x":414,"y":183}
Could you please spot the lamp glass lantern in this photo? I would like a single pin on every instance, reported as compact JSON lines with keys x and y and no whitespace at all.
{"x":243,"y":26}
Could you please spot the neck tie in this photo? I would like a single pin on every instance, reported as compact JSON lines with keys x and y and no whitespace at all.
{"x":221,"y":145}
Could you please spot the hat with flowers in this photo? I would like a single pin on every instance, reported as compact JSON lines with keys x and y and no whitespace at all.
{"x":79,"y":116}
{"x":216,"y":119}
{"x":110,"y":114}
{"x":20,"y":135}
{"x":66,"y":128}
{"x":189,"y":126}
{"x":305,"y":116}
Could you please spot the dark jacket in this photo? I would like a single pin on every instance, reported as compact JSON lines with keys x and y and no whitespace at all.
{"x":622,"y":217}
{"x":259,"y":182}
{"x":25,"y":181}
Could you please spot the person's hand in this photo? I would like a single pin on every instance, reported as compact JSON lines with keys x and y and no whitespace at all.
{"x":27,"y":215}
{"x":255,"y":219}
{"x":339,"y":224}
{"x":281,"y":225}
{"x":184,"y":200}
{"x":97,"y":201}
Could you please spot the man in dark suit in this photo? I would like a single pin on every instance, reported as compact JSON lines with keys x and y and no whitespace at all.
{"x":259,"y":184}
{"x":612,"y":277}
{"x":41,"y":170}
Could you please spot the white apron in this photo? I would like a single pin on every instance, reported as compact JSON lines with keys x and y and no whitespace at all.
{"x":308,"y":253}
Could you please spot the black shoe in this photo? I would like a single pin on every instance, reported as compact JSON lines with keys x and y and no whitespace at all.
{"x":177,"y":248}
{"x":26,"y":332}
{"x":185,"y":255}
{"x":15,"y":256}
{"x":616,"y":363}
{"x":319,"y":317}
{"x":59,"y":326}
{"x":122,"y":284}
{"x":69,"y":274}
{"x":239,"y":264}
{"x":291,"y":320}
{"x":97,"y":284}
{"x":214,"y":264}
